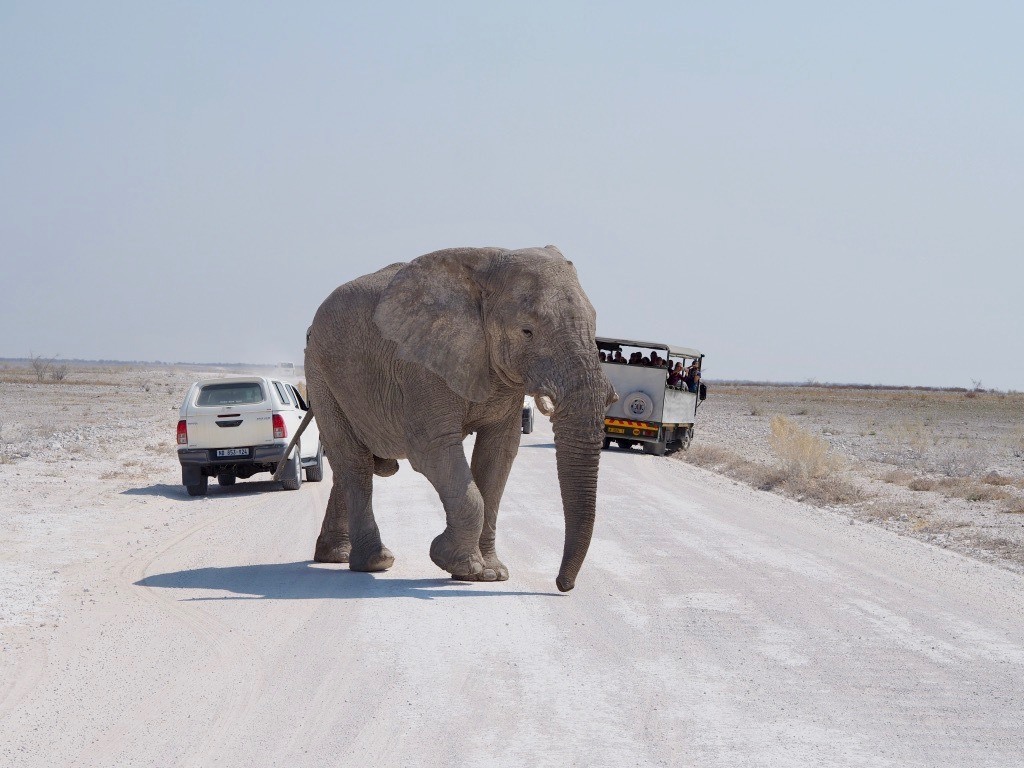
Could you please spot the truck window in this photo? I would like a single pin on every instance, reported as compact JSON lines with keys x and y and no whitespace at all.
{"x":282,"y":393}
{"x":298,"y":398}
{"x":231,"y":393}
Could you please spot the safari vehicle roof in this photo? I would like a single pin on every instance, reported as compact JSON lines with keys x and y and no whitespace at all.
{"x":672,"y":350}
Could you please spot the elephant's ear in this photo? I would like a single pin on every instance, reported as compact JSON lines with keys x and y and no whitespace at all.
{"x":433,"y":310}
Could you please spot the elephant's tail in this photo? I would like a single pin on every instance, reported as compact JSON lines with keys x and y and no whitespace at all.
{"x":384,"y":467}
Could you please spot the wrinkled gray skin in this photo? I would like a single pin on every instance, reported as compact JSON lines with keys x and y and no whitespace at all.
{"x":407,"y":361}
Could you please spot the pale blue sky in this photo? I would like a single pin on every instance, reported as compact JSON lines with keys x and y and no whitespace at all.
{"x":826,"y":190}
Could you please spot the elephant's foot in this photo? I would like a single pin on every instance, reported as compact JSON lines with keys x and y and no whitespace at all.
{"x":494,"y":570}
{"x":492,"y":562}
{"x":331,"y":550}
{"x":371,"y":560}
{"x":460,"y":561}
{"x":384,"y":467}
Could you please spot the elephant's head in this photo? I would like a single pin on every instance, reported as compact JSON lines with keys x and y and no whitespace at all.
{"x":476,"y":315}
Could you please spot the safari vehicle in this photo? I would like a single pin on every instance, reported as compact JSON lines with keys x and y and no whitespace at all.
{"x":235,"y":427}
{"x":650,"y":412}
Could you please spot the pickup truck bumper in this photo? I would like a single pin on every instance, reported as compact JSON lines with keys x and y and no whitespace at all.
{"x":196,"y":462}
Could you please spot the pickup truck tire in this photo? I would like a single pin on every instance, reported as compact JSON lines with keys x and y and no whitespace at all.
{"x":293,"y":471}
{"x":315,"y":472}
{"x":226,"y":478}
{"x":527,"y":421}
{"x":200,"y":488}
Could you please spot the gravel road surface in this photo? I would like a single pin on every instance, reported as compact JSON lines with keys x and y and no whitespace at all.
{"x":712,"y":625}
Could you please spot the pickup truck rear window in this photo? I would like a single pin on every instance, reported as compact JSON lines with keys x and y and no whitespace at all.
{"x":233,"y":393}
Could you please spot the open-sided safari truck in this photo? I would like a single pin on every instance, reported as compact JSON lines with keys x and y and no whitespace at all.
{"x":658,"y":400}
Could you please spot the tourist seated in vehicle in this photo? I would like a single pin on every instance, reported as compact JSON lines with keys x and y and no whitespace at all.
{"x":692,"y":377}
{"x":618,"y":358}
{"x":603,"y":357}
{"x":675,"y":377}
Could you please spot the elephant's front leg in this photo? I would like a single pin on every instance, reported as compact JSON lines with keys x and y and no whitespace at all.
{"x":457,"y":549}
{"x":495,"y":450}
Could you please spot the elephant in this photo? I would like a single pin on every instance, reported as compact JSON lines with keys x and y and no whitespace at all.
{"x":406,"y":362}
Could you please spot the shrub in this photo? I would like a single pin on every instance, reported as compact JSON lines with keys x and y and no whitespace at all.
{"x":1016,"y":443}
{"x":994,"y":478}
{"x":803,"y":454}
{"x":40,"y":366}
{"x":921,"y":484}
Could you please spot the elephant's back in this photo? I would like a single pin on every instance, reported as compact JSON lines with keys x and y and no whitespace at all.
{"x":347,"y":352}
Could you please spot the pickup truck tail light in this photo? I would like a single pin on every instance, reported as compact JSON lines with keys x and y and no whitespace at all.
{"x":280,"y":430}
{"x":182,"y":433}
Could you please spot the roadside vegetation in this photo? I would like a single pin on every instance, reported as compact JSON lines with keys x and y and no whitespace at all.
{"x":945,"y":465}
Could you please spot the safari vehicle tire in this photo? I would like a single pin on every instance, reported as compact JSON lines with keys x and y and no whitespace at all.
{"x":226,"y":478}
{"x":655,"y":449}
{"x":293,"y":471}
{"x":624,"y":444}
{"x":315,"y":473}
{"x":200,"y":488}
{"x":637,"y":405}
{"x":606,"y":443}
{"x":687,"y":438}
{"x":528,"y":422}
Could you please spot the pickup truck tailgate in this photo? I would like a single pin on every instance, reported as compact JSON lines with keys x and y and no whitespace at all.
{"x":230,"y":428}
{"x":214,"y":421}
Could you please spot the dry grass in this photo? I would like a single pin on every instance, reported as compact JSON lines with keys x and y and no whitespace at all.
{"x":991,"y":487}
{"x":822,"y":490}
{"x":803,"y":455}
{"x":1016,"y":444}
{"x":994,"y":478}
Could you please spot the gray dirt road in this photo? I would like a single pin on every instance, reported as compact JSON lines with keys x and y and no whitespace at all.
{"x":712,"y":625}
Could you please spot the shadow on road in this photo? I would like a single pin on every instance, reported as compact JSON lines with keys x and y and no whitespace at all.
{"x":537,"y":445}
{"x":306,"y":580}
{"x":179,"y":492}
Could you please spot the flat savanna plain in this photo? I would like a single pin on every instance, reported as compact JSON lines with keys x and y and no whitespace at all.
{"x":939,"y":465}
{"x":141,"y":627}
{"x":944,"y":466}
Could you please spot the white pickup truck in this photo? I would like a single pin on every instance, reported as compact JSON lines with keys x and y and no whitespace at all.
{"x":235,"y":427}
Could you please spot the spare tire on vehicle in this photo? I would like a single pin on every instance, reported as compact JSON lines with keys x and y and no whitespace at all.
{"x":638,"y":405}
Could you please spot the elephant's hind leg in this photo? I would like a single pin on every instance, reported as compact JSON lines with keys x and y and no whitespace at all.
{"x":349,"y":533}
{"x":333,"y":544}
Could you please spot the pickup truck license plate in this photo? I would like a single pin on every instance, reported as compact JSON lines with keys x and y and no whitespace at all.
{"x":232,"y":452}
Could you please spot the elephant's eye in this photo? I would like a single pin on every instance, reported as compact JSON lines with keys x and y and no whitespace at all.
{"x":527,"y":333}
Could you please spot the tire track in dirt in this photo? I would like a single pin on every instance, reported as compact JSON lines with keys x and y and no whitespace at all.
{"x":213,"y":632}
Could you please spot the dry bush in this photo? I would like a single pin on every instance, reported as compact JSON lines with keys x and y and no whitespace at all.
{"x":40,"y":366}
{"x":59,"y":372}
{"x":922,"y":484}
{"x":912,"y":439}
{"x":1014,"y":507}
{"x":960,"y":462}
{"x":803,"y":455}
{"x":970,"y":489}
{"x":301,"y":386}
{"x":900,"y":477}
{"x":822,"y":490}
{"x":994,"y":478}
{"x":1016,"y":444}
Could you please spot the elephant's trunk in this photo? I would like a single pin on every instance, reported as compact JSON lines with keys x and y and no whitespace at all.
{"x":578,"y":422}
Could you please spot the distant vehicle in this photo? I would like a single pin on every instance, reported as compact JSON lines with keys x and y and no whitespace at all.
{"x":527,"y":415}
{"x":235,"y":427}
{"x":650,"y":412}
{"x":286,"y":367}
